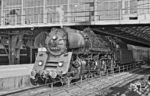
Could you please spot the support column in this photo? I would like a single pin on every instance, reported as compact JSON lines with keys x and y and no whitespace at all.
{"x":22,"y":14}
{"x":17,"y":57}
{"x":9,"y":50}
{"x":30,"y":46}
{"x":18,"y":47}
{"x":95,"y":10}
{"x":68,"y":16}
{"x":12,"y":41}
{"x":31,"y":54}
{"x":123,"y":6}
{"x":15,"y":44}
{"x":2,"y":14}
{"x":44,"y":12}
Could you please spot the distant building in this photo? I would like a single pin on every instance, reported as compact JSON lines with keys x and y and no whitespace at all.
{"x":22,"y":12}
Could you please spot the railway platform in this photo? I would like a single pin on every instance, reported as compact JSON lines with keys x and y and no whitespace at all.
{"x":14,"y":76}
{"x":95,"y":86}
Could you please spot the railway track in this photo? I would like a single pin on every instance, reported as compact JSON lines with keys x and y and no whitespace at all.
{"x":80,"y":88}
{"x":86,"y":88}
{"x":104,"y":85}
{"x":107,"y":89}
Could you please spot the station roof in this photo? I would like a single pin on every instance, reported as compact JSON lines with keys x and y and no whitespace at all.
{"x":133,"y":34}
{"x":130,"y":24}
{"x":136,"y":34}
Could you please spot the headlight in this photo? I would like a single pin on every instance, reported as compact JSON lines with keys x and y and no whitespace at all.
{"x":42,"y":49}
{"x":40,"y":63}
{"x":54,"y":37}
{"x":60,"y":64}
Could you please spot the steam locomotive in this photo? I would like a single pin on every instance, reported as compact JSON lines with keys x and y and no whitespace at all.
{"x":67,"y":53}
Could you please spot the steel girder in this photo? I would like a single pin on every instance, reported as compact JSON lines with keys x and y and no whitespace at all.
{"x":132,"y":33}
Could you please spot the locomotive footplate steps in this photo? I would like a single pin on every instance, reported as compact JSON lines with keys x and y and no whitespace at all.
{"x":14,"y":77}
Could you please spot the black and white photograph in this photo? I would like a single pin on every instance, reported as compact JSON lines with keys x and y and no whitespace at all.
{"x":74,"y":47}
